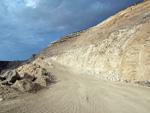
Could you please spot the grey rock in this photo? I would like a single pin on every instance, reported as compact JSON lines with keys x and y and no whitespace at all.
{"x":44,"y":72}
{"x":25,"y":75}
{"x":11,"y":76}
{"x":23,"y":85}
{"x":143,"y":83}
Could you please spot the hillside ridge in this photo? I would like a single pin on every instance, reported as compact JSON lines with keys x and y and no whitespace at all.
{"x":117,"y":47}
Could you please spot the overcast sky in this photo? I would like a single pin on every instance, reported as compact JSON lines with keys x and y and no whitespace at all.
{"x":27,"y":26}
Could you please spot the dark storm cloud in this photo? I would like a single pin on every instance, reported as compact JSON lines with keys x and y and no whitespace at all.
{"x":29,"y":25}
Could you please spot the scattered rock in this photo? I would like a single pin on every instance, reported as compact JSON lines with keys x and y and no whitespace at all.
{"x":26,"y":78}
{"x":127,"y":81}
{"x":143,"y":83}
{"x":36,"y":74}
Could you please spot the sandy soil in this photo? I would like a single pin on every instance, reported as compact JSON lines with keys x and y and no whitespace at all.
{"x":75,"y":92}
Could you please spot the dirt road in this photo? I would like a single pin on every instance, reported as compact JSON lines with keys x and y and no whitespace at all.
{"x":75,"y":92}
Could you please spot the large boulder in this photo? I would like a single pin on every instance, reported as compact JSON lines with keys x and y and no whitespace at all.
{"x":10,"y":76}
{"x":35,"y":73}
{"x":43,"y":80}
{"x":43,"y":77}
{"x":23,"y":85}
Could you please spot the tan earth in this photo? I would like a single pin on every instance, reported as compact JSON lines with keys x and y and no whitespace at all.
{"x":92,"y":68}
{"x":76,"y":92}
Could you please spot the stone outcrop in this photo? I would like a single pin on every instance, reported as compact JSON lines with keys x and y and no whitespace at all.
{"x":117,"y":47}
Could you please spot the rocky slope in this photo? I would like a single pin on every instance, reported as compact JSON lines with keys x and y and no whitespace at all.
{"x":118,"y":48}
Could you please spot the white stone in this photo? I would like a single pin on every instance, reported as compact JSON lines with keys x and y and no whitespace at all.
{"x":1,"y":99}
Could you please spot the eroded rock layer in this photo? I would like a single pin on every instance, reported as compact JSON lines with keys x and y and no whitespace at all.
{"x":119,"y":46}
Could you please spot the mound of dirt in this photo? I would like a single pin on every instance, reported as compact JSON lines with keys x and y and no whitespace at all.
{"x":26,"y":78}
{"x":36,"y":74}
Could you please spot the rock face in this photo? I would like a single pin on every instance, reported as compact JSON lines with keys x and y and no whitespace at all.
{"x":119,"y":46}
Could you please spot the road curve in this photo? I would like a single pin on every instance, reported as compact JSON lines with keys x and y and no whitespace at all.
{"x":75,"y":92}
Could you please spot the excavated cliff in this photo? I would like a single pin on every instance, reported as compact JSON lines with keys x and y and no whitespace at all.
{"x":117,"y":47}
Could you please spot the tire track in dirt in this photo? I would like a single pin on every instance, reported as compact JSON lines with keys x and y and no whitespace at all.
{"x":78,"y":93}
